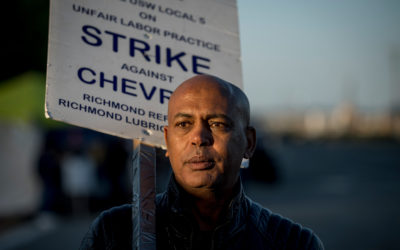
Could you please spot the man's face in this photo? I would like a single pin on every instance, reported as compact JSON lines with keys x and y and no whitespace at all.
{"x":206,"y":138}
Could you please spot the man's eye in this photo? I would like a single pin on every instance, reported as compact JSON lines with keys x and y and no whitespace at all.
{"x":182,"y":124}
{"x":219,"y":125}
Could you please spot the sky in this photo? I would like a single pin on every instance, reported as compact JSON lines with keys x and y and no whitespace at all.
{"x":317,"y":54}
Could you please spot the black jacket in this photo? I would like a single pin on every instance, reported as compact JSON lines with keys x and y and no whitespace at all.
{"x":246,"y":225}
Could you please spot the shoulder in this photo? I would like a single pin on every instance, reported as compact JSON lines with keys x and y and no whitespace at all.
{"x":117,"y":212}
{"x":110,"y":229}
{"x":115,"y":218}
{"x":281,"y":232}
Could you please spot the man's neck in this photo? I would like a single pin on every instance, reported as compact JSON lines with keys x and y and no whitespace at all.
{"x":207,"y":213}
{"x":207,"y":206}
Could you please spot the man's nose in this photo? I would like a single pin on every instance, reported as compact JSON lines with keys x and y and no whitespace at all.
{"x":201,"y":135}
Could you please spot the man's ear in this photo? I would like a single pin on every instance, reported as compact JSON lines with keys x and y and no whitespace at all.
{"x":251,"y":142}
{"x":165,"y":139}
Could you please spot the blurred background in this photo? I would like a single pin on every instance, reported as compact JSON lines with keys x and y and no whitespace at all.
{"x":323,"y":78}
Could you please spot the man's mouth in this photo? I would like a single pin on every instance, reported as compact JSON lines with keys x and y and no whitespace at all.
{"x":200,"y":163}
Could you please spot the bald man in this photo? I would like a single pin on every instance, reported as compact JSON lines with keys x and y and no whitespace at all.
{"x":204,"y":206}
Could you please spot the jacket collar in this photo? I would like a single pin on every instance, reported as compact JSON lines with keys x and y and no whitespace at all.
{"x":233,"y":219}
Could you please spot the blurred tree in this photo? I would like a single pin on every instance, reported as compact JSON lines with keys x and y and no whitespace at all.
{"x":22,"y":100}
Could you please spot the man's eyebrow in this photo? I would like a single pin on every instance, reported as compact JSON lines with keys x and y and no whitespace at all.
{"x":222,"y":116}
{"x":183,"y":115}
{"x":209,"y":116}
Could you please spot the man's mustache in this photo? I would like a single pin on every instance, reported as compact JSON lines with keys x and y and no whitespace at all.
{"x":200,"y":156}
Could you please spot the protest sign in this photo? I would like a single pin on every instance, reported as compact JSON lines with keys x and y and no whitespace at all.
{"x":112,"y":65}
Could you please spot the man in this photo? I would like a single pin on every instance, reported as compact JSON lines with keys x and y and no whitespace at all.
{"x":204,"y":207}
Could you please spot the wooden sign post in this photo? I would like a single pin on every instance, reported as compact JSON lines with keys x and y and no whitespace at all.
{"x":143,"y":199}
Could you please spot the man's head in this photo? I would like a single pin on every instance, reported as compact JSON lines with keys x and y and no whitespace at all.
{"x":208,"y":133}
